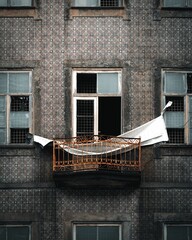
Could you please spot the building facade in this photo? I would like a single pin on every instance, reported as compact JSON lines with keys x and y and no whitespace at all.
{"x":72,"y":68}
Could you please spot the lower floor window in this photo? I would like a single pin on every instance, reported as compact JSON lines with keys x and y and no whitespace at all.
{"x":97,"y":232}
{"x":178,"y":232}
{"x":14,"y":232}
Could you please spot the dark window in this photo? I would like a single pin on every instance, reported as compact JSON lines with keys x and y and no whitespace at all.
{"x":178,"y":232}
{"x":14,"y":232}
{"x":97,"y":232}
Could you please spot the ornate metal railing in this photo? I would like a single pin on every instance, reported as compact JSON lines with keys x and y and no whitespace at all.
{"x":97,"y":153}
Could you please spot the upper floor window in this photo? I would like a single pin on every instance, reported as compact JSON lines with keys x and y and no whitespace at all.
{"x":97,"y":3}
{"x":177,"y":87}
{"x":178,"y":232}
{"x":16,"y":3}
{"x":96,"y":103}
{"x":14,"y":232}
{"x":97,"y":232}
{"x":177,"y":3}
{"x":15,"y":106}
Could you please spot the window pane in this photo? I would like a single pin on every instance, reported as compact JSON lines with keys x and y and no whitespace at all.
{"x":108,"y":83}
{"x":86,"y":233}
{"x":19,"y":83}
{"x":189,"y":82}
{"x":2,"y":137}
{"x":19,"y":103}
{"x":174,"y":3}
{"x":2,"y":112}
{"x":85,"y":117}
{"x":17,"y":3}
{"x":190,"y":232}
{"x":106,"y":233}
{"x":3,"y":3}
{"x":190,"y":3}
{"x":3,"y":82}
{"x":2,"y":229}
{"x":86,"y":3}
{"x":19,"y":135}
{"x":177,"y":233}
{"x":109,"y":3}
{"x":175,"y":83}
{"x":86,"y":82}
{"x":19,"y":120}
{"x":190,"y":119}
{"x":174,"y":119}
{"x":18,"y":233}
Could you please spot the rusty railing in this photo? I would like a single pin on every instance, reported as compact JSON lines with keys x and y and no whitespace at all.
{"x":96,"y":153}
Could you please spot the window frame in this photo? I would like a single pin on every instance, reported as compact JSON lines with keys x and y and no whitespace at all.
{"x":8,"y":96}
{"x":173,"y":224}
{"x":92,"y":96}
{"x":18,"y":225}
{"x":186,"y":96}
{"x":97,"y":224}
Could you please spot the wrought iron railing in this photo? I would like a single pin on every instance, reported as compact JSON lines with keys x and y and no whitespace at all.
{"x":97,"y":153}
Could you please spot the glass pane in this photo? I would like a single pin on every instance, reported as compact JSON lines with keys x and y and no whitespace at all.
{"x":19,"y":83}
{"x":2,"y":112}
{"x":174,"y":3}
{"x":22,"y":3}
{"x":174,"y":119}
{"x":190,"y":232}
{"x":85,"y":117}
{"x":3,"y":3}
{"x":86,"y":82}
{"x":2,"y":229}
{"x":2,"y":140}
{"x":86,"y":3}
{"x":18,"y":233}
{"x":177,"y":233}
{"x":189,"y":3}
{"x":3,"y":82}
{"x":108,"y":83}
{"x":175,"y":83}
{"x":190,"y":118}
{"x":110,"y":232}
{"x":86,"y":233}
{"x":19,"y":120}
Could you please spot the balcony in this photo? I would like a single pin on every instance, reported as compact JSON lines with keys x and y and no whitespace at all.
{"x":97,"y":161}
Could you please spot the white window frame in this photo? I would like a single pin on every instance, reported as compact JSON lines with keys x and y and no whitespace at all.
{"x":98,"y":225}
{"x":8,"y":105}
{"x":91,"y":96}
{"x":185,"y":99}
{"x":11,"y":225}
{"x":173,"y":225}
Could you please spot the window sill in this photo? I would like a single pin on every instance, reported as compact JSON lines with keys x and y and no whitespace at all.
{"x":17,"y":146}
{"x":18,"y":12}
{"x":98,"y":12}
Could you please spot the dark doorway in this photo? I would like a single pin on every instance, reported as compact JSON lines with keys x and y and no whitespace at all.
{"x":110,"y":116}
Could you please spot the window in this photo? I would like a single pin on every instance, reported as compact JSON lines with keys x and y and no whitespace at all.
{"x":177,"y":87}
{"x":178,"y":232}
{"x":97,"y":103}
{"x":97,"y":3}
{"x":15,"y":106}
{"x":177,"y":3}
{"x":14,"y":232}
{"x":97,"y":232}
{"x":16,"y":3}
